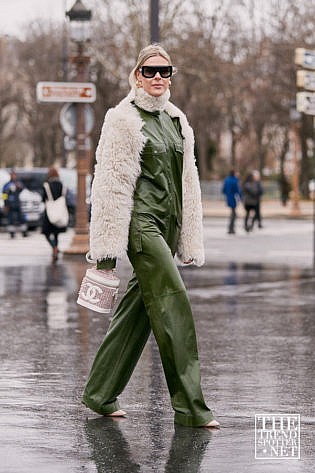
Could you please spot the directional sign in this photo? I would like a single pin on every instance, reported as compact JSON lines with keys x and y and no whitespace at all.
{"x":66,"y":92}
{"x":305,"y":102}
{"x":306,"y":79}
{"x":305,"y":58}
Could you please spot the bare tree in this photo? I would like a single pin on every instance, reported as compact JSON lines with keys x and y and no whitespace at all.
{"x":236,"y":77}
{"x":11,"y":131}
{"x":41,"y":120}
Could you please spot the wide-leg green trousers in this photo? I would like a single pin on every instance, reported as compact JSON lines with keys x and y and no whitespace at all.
{"x":155,"y":299}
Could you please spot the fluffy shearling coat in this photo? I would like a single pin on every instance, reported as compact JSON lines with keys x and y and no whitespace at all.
{"x":118,"y":166}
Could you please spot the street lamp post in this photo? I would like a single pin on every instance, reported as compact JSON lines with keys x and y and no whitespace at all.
{"x":295,"y":117}
{"x":154,"y":21}
{"x":313,"y":197}
{"x":80,"y":17}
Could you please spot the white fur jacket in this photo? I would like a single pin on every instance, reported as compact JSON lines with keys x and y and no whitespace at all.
{"x":118,"y":166}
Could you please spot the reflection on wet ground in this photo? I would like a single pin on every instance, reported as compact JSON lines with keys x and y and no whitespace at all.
{"x":256,"y":332}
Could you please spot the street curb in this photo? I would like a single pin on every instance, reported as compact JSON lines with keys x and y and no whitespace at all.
{"x":269,"y":209}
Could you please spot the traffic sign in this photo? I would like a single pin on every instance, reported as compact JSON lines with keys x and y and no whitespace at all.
{"x":305,"y":102}
{"x":306,"y":79}
{"x":84,"y":92}
{"x":68,"y":119}
{"x":305,"y":58}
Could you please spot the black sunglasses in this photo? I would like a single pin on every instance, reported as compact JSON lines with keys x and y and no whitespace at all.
{"x":150,"y":71}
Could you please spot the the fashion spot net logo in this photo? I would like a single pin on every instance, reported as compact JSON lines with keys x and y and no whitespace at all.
{"x":277,"y":436}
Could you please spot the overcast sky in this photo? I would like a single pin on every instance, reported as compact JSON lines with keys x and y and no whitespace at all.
{"x":15,"y":13}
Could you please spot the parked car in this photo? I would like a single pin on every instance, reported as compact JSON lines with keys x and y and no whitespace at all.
{"x":32,"y":205}
{"x":31,"y":196}
{"x":311,"y":188}
{"x":70,"y":179}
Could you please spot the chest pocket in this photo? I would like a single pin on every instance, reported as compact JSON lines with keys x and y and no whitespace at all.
{"x":153,"y":148}
{"x":179,"y":147}
{"x":153,"y":158}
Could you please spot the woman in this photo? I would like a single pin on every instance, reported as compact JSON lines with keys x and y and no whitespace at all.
{"x":146,"y":201}
{"x":251,"y":194}
{"x":260,"y":191}
{"x":51,"y":231}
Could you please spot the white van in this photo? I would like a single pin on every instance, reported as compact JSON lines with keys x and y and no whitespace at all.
{"x":32,"y":205}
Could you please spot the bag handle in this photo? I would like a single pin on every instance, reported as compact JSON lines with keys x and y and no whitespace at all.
{"x":89,"y":258}
{"x":48,"y":191}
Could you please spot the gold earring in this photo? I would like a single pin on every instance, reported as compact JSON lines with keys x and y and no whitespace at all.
{"x":138,"y":83}
{"x":169,"y":83}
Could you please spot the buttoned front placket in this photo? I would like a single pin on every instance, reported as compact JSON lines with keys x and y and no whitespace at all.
{"x":158,"y":192}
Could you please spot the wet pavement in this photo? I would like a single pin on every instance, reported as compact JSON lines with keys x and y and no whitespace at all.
{"x":255,"y":322}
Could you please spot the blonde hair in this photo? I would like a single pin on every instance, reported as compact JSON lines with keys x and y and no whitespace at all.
{"x":147,"y":52}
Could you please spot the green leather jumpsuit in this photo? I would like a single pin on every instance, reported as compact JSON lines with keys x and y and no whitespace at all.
{"x":156,"y":297}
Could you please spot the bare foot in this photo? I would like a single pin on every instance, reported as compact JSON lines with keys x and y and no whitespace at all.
{"x":213,"y":424}
{"x":119,"y":413}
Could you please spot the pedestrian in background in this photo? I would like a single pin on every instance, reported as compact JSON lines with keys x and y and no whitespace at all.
{"x":250,"y":193}
{"x":231,"y":190}
{"x":146,"y":200}
{"x":12,"y":206}
{"x":285,"y":188}
{"x":260,"y":191}
{"x":51,"y":231}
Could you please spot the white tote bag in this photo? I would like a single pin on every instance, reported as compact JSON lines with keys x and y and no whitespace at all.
{"x":57,"y":211}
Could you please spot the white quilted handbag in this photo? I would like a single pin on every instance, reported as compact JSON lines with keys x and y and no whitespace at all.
{"x":99,"y":290}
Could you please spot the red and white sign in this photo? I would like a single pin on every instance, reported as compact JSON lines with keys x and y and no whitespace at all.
{"x":84,"y":92}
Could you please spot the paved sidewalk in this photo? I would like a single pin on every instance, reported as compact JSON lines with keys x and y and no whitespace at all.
{"x":32,"y":250}
{"x":282,"y":241}
{"x":269,"y":209}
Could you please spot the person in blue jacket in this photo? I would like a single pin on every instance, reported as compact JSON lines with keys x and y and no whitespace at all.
{"x":12,"y":204}
{"x":232,"y":191}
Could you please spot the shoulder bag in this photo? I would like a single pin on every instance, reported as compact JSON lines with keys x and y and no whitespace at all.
{"x":57,"y":211}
